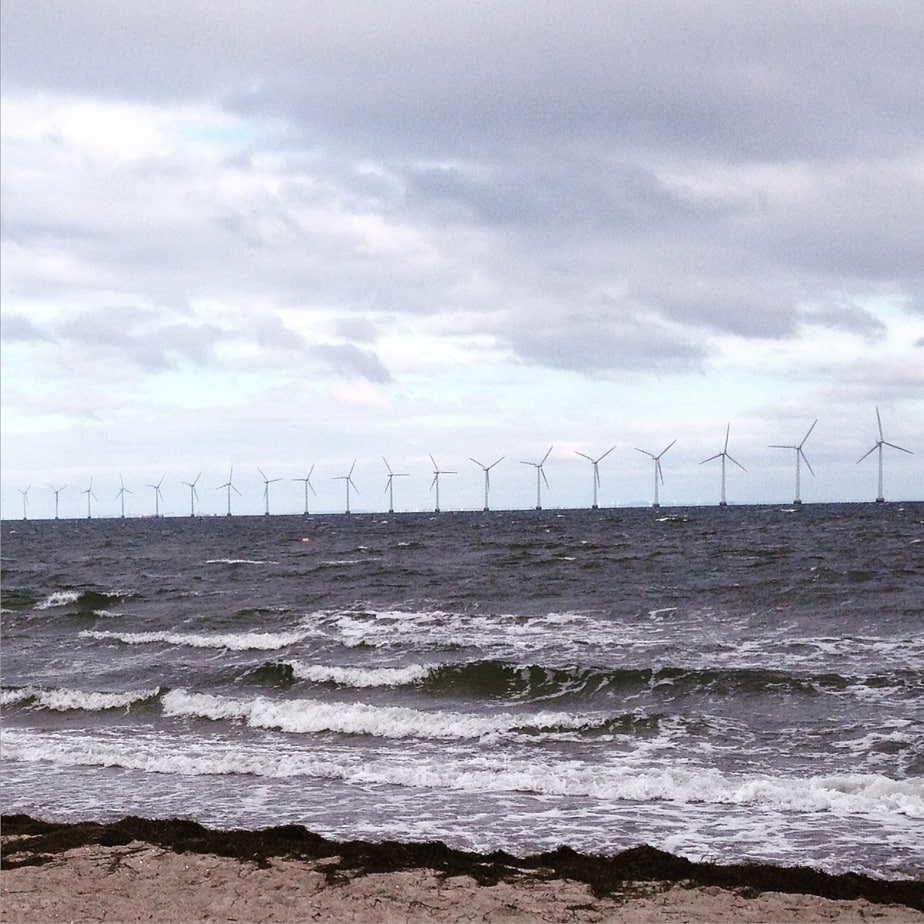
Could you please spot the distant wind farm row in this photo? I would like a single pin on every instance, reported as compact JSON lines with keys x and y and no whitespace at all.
{"x":90,"y":503}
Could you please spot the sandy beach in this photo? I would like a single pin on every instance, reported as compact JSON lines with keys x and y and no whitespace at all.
{"x":177,"y":871}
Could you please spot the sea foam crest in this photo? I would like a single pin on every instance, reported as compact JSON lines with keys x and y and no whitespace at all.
{"x":310,"y":716}
{"x":361,"y":676}
{"x":232,"y":641}
{"x":59,"y":598}
{"x":63,"y":700}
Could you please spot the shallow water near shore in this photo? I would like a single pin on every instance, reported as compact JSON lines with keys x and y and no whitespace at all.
{"x":727,"y":684}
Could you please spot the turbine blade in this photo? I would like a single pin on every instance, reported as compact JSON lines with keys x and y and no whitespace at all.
{"x":718,"y":455}
{"x":865,"y":454}
{"x":546,"y":455}
{"x":658,"y":470}
{"x":477,"y":462}
{"x":546,"y":480}
{"x":606,"y":453}
{"x":879,"y":421}
{"x":807,"y":435}
{"x":727,"y":432}
{"x":668,"y":446}
{"x":806,"y":461}
{"x":902,"y":448}
{"x":647,"y":453}
{"x":743,"y":469}
{"x":584,"y":454}
{"x":386,"y":464}
{"x":501,"y":459}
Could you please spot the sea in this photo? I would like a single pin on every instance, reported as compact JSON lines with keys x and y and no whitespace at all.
{"x":726,"y":683}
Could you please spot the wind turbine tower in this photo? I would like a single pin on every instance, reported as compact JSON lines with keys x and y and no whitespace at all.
{"x":158,"y":496}
{"x":800,"y":457}
{"x":308,"y":484}
{"x":389,"y":484}
{"x":266,"y":483}
{"x":436,"y":481}
{"x":57,"y":492}
{"x":658,"y":474}
{"x":596,"y":463}
{"x":723,"y":455}
{"x":540,"y":477}
{"x":25,"y":501}
{"x":120,"y":494}
{"x":348,"y":478}
{"x":90,"y":494}
{"x":880,"y":498}
{"x":487,"y":478}
{"x":193,"y":494}
{"x":229,"y":487}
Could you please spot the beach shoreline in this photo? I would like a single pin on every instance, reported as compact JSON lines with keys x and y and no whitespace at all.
{"x":173,"y":870}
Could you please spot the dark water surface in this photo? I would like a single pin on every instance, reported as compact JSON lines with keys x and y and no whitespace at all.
{"x":724,"y":683}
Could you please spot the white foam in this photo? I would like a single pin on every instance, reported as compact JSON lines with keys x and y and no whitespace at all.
{"x":239,"y":561}
{"x":59,"y":598}
{"x":232,"y":641}
{"x":63,"y":700}
{"x":459,"y":769}
{"x":305,"y":716}
{"x":361,"y":676}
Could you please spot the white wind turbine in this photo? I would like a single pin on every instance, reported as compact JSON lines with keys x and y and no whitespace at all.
{"x":596,"y":463}
{"x":57,"y":492}
{"x":25,"y":501}
{"x":120,"y":494}
{"x":193,"y":494}
{"x":436,"y":481}
{"x":158,"y":496}
{"x":229,"y":487}
{"x":308,"y":486}
{"x":658,"y":474}
{"x":348,"y":478}
{"x":800,"y":457}
{"x":540,"y":477}
{"x":266,"y":483}
{"x":723,"y":455}
{"x":487,"y":478}
{"x":878,"y":445}
{"x":389,"y":484}
{"x":89,"y":493}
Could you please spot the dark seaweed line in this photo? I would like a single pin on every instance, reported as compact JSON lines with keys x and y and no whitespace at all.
{"x":606,"y":875}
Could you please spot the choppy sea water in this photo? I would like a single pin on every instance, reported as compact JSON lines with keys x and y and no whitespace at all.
{"x":740,"y":683}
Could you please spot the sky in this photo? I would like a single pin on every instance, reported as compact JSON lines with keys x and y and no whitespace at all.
{"x":241,"y":240}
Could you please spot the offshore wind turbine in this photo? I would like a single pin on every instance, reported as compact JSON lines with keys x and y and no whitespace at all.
{"x":436,"y":481}
{"x":348,"y":478}
{"x":878,"y":446}
{"x":57,"y":492}
{"x":800,"y":457}
{"x":193,"y":494}
{"x":658,"y":474}
{"x":308,"y":484}
{"x":266,"y":483}
{"x":89,"y":493}
{"x":540,"y":477}
{"x":25,"y":501}
{"x":596,"y":462}
{"x":487,"y":478}
{"x":389,"y":485}
{"x":229,"y":487}
{"x":723,"y":455}
{"x":158,"y":496}
{"x":120,"y":494}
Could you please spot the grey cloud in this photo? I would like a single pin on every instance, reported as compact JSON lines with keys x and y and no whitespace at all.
{"x":850,"y":318}
{"x":352,"y":362}
{"x":15,"y":327}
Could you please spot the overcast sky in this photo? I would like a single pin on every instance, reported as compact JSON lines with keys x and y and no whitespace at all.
{"x":282,"y":234}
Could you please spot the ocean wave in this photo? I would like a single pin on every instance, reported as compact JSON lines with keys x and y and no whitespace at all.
{"x":87,"y":601}
{"x":307,"y":716}
{"x":232,"y":641}
{"x":64,"y":700}
{"x":606,"y":781}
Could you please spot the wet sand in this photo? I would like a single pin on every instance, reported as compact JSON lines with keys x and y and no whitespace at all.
{"x":173,"y":870}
